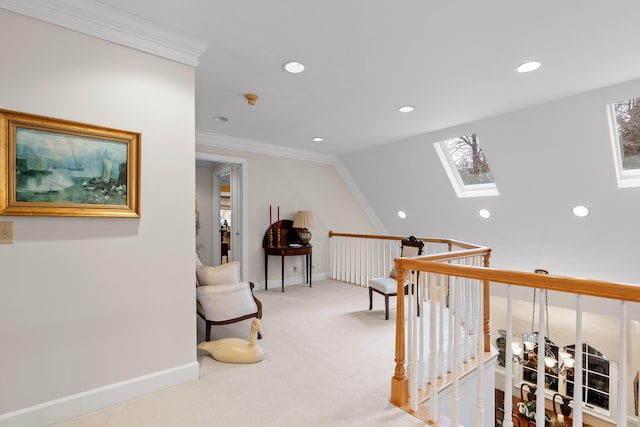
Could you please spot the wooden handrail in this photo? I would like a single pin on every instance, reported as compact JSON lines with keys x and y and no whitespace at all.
{"x":381,"y":237}
{"x":595,"y":288}
{"x":467,"y":253}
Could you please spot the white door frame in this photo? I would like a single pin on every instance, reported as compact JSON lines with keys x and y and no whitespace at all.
{"x":243,"y":205}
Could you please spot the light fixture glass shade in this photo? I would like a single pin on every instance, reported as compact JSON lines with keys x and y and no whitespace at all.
{"x":529,"y":345}
{"x":550,"y":361}
{"x":226,"y":214}
{"x":566,"y":358}
{"x":516,"y":348}
{"x":570,"y":362}
{"x":304,"y":219}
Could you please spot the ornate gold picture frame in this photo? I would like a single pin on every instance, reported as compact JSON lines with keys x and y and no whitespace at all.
{"x":54,"y":167}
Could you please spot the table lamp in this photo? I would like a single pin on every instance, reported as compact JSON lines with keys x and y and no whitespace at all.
{"x":303,"y":222}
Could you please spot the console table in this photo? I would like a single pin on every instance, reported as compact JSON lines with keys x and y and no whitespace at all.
{"x":282,"y":249}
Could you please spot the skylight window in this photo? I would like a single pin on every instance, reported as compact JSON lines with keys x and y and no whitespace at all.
{"x":624,"y":124}
{"x":466,"y":166}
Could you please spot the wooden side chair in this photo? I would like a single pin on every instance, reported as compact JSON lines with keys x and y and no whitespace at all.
{"x":528,"y":392}
{"x":561,"y":404}
{"x":388,"y":286}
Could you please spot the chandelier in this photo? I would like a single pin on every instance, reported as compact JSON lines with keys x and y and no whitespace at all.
{"x":526,"y":353}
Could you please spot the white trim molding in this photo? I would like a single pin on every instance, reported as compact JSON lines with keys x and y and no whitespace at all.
{"x":67,"y":407}
{"x":108,"y":23}
{"x":239,"y":144}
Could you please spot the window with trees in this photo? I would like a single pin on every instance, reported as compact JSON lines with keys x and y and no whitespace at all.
{"x":624,"y":123}
{"x":466,"y":166}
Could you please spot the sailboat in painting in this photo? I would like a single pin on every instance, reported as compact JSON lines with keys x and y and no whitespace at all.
{"x":75,"y":165}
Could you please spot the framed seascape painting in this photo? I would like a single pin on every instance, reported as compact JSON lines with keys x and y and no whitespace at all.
{"x":53,"y":167}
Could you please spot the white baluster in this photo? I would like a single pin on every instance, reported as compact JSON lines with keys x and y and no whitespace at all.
{"x":508,"y":364}
{"x":457,"y":324}
{"x":352,"y":264}
{"x":341,"y":259}
{"x":541,"y":366}
{"x":469,"y":318}
{"x":422,"y":371}
{"x":442,"y":363}
{"x":480,"y":353}
{"x":622,"y":368}
{"x":433,"y":371}
{"x":577,"y":368}
{"x":367,"y":260}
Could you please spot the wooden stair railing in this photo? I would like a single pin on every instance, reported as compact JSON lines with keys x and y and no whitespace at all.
{"x":579,"y":287}
{"x":441,"y":262}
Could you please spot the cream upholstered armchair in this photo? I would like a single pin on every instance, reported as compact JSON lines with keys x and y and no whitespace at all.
{"x":222,"y":298}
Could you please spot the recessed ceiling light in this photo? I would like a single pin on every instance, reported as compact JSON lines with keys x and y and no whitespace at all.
{"x":294,"y":67}
{"x":317,"y":139}
{"x":484,"y":213}
{"x":528,"y":66}
{"x":580,"y":211}
{"x":402,"y":215}
{"x":220,"y":119}
{"x":406,"y":108}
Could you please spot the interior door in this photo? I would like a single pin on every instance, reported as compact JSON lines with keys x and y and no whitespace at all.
{"x":237,"y":226}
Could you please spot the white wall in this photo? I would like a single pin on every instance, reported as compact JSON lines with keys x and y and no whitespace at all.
{"x":295,"y":185}
{"x":545,"y":160}
{"x":88,"y":303}
{"x":204,"y":193}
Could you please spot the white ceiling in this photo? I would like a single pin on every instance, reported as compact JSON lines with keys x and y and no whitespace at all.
{"x":452,"y":60}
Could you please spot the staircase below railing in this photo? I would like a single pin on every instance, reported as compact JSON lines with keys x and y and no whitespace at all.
{"x":454,"y":279}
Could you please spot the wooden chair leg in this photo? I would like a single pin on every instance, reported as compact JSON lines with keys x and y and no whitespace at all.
{"x":370,"y":299}
{"x":208,"y":336}
{"x":386,"y":307}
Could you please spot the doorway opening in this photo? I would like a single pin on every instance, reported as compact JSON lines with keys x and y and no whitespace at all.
{"x":222,"y":200}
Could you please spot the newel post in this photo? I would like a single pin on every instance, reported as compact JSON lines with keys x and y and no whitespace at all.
{"x":399,"y":382}
{"x":487,"y":307}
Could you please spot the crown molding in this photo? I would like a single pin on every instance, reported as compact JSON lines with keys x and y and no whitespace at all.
{"x":107,"y":23}
{"x":234,"y":143}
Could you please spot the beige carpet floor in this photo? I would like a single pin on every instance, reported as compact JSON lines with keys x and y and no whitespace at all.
{"x":328,"y":362}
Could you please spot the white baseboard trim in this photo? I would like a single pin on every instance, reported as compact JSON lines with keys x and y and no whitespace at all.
{"x":78,"y":404}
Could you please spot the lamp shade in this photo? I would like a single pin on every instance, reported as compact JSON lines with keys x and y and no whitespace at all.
{"x":304,"y":219}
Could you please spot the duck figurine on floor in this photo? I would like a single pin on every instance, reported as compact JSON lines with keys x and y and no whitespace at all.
{"x":236,"y":350}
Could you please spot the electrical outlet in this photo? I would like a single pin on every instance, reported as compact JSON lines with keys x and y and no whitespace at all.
{"x":6,"y":232}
